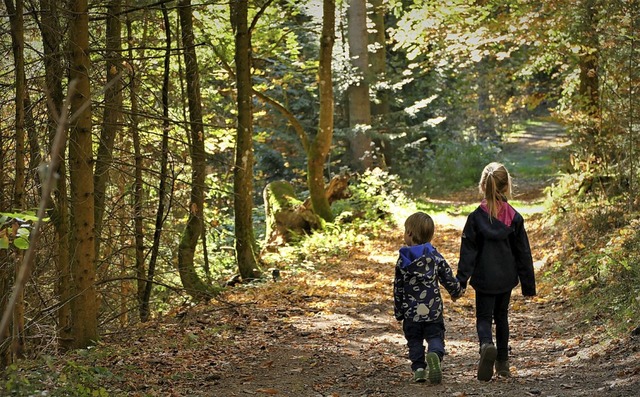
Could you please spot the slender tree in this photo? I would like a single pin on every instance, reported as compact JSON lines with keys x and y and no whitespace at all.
{"x":138,"y":216}
{"x":17,"y":40}
{"x":84,"y":304}
{"x":319,"y":148}
{"x":16,"y":331}
{"x":243,"y":169}
{"x":380,"y":104}
{"x":50,"y":28}
{"x":112,"y":112}
{"x":358,"y":92}
{"x":378,"y":58}
{"x":589,"y":85}
{"x":162,"y":193}
{"x":192,"y":232}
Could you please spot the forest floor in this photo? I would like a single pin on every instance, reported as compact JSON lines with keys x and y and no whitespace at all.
{"x":331,"y":331}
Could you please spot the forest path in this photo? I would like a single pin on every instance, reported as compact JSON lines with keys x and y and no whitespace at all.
{"x":331,"y":332}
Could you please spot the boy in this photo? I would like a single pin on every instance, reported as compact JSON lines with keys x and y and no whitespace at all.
{"x":417,"y":300}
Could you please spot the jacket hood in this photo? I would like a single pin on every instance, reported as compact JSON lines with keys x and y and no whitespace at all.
{"x":410,"y":253}
{"x":492,"y":228}
{"x":506,"y":212}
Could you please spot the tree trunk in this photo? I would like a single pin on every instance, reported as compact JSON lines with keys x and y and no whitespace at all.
{"x":146,"y":296}
{"x":378,"y":58}
{"x":589,"y":87}
{"x":243,"y":169}
{"x":380,"y":106}
{"x":17,"y":40}
{"x":485,"y":120}
{"x":84,"y":305}
{"x":359,"y":104}
{"x":189,"y":240}
{"x":138,"y":182}
{"x":6,"y":270}
{"x":321,"y":144}
{"x":112,"y":113}
{"x":52,"y":38}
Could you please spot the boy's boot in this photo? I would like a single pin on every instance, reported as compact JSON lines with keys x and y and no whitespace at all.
{"x":502,"y":368}
{"x":435,"y":372}
{"x":420,"y":375}
{"x":488,"y":353}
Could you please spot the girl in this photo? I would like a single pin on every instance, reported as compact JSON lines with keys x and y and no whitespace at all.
{"x":495,"y":255}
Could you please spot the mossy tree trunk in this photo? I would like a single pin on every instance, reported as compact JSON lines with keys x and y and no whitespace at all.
{"x":195,"y":287}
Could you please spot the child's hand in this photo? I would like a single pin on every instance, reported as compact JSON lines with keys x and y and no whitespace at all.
{"x":455,"y":298}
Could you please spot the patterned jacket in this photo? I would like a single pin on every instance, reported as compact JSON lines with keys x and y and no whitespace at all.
{"x":416,"y":290}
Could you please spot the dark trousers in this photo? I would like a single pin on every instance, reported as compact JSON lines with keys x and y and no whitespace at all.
{"x":416,"y":334}
{"x":494,"y":307}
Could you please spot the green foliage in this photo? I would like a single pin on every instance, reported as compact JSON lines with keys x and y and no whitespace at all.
{"x":52,"y":377}
{"x":377,"y":203}
{"x":599,"y":263}
{"x":15,"y":229}
{"x":445,"y":166}
{"x":375,"y":195}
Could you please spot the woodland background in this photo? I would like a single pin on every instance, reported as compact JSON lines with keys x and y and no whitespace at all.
{"x":138,"y":138}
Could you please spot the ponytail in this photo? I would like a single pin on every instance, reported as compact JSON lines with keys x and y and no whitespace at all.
{"x":495,"y":185}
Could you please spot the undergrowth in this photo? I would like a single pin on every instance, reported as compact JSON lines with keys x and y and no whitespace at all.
{"x":596,"y":258}
{"x":377,"y":203}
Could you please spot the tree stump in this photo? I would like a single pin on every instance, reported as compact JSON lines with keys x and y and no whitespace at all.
{"x":287,"y":217}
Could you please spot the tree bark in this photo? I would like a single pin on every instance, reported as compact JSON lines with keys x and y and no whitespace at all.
{"x":146,"y":296}
{"x":17,"y":42}
{"x":378,"y":58}
{"x":84,"y":305}
{"x":111,"y":115}
{"x":358,"y":92}
{"x":485,"y":120}
{"x":138,"y":184}
{"x":321,"y":144}
{"x":189,"y":240}
{"x":243,"y":169}
{"x":53,"y":60}
{"x":380,"y":106}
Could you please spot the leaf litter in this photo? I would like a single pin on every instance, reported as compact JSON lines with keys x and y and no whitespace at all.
{"x":330,"y":332}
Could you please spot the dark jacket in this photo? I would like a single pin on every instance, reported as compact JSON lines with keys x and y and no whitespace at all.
{"x":416,"y":291}
{"x":495,"y":252}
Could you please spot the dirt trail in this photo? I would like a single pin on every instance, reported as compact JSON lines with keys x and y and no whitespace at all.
{"x":334,"y":334}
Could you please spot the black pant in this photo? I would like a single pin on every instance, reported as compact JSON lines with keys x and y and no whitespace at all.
{"x":494,"y":307}
{"x":416,"y":334}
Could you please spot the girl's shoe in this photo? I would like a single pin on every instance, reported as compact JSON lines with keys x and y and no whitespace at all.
{"x":502,"y":368}
{"x":420,"y":375}
{"x":488,"y":353}
{"x":435,"y":372}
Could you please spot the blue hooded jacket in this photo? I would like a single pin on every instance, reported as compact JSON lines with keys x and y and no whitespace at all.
{"x":416,"y":290}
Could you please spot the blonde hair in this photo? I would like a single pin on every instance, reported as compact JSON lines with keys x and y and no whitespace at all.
{"x":420,"y":227}
{"x":495,"y":185}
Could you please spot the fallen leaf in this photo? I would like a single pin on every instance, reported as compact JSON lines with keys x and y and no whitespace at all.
{"x":267,"y":391}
